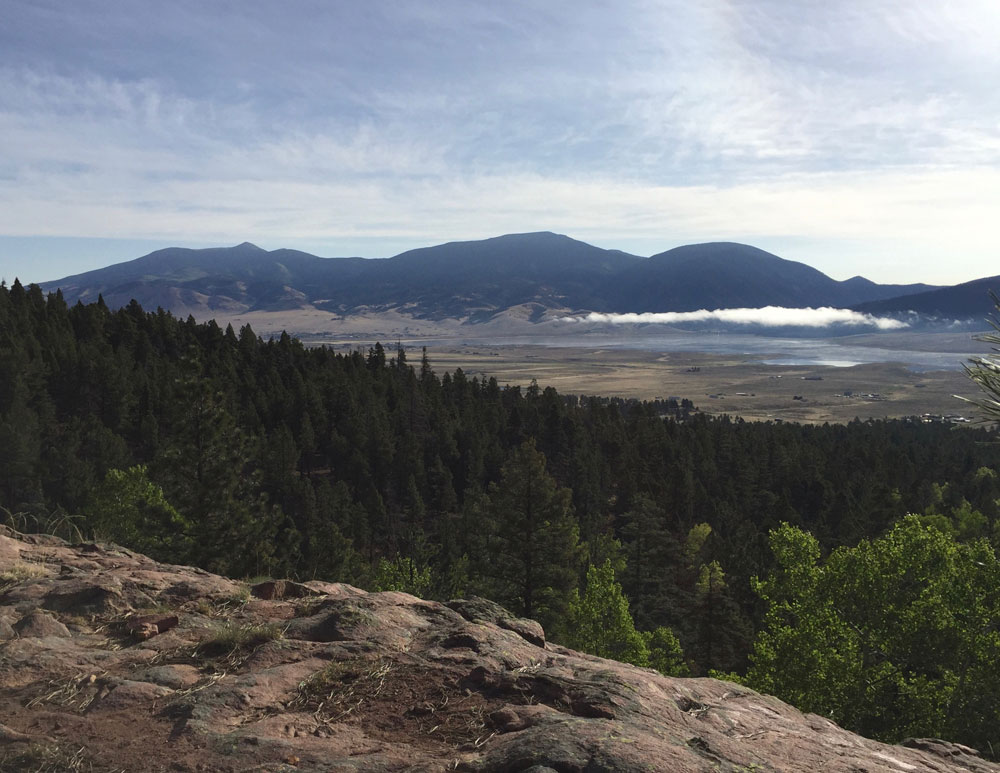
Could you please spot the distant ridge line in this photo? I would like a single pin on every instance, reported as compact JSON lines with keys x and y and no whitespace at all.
{"x":474,"y":280}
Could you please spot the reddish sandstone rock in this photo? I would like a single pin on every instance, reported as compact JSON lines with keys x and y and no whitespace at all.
{"x":147,"y":626}
{"x":348,"y":680}
{"x":480,"y":610}
{"x":275,"y":590}
{"x":38,"y":624}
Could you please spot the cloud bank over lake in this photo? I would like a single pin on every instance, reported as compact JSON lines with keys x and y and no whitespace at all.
{"x":767,"y":316}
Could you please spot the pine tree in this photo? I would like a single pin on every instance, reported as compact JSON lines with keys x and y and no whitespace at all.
{"x":211,"y":475}
{"x":985,"y":371}
{"x":721,"y":633}
{"x":536,"y":548}
{"x":654,"y":558}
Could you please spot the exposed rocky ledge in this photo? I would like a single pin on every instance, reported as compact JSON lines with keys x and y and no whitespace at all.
{"x":111,"y":661}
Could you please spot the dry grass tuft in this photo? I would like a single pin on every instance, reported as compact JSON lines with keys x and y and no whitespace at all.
{"x":20,"y":571}
{"x":340,"y":688}
{"x":49,"y":758}
{"x":232,"y":640}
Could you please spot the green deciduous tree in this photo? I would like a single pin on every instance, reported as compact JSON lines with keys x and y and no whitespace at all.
{"x":899,"y":636}
{"x":128,"y":508}
{"x":665,"y":653}
{"x":403,"y":574}
{"x":600,"y":622}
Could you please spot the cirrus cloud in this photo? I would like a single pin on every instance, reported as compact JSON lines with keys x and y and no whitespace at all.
{"x":858,"y":136}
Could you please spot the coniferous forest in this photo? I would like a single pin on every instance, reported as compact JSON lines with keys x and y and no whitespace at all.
{"x":849,"y":569}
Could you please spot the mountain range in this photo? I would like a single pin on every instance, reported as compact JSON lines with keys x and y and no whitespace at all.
{"x":475,"y":280}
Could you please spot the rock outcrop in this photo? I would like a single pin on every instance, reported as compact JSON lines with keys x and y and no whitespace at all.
{"x":111,"y":661}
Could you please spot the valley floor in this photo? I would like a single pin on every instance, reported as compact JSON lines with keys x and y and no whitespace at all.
{"x":642,"y":362}
{"x":737,"y":385}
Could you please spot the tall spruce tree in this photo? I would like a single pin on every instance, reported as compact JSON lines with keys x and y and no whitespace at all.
{"x":211,"y":475}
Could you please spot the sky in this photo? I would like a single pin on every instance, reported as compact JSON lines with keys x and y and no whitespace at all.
{"x":858,"y":136}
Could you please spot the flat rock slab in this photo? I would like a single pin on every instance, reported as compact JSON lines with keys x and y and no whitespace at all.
{"x":116,"y":662}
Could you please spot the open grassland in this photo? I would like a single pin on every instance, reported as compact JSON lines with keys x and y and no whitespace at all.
{"x":721,"y":383}
{"x":717,"y":382}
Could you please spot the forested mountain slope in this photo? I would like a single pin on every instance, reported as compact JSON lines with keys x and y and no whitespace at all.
{"x":724,"y":275}
{"x":471,"y":280}
{"x":949,"y":302}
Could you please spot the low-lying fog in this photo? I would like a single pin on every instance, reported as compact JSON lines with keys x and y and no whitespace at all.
{"x":767,"y":316}
{"x":771,"y":335}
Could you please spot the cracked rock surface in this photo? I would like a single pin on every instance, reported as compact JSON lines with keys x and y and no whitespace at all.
{"x":110,"y":661}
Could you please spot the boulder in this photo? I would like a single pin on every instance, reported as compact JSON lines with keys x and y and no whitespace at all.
{"x":38,"y":624}
{"x":147,"y":626}
{"x":479,"y":610}
{"x":274,"y":590}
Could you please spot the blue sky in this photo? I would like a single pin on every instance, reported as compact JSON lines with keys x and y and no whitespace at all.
{"x":859,"y":136}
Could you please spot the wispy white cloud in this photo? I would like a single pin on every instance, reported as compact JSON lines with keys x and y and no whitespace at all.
{"x":767,"y":316}
{"x":867,"y":126}
{"x":899,"y":226}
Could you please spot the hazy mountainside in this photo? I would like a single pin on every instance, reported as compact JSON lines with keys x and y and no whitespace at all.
{"x":728,"y":275}
{"x":226,"y":278}
{"x":459,"y":279}
{"x":969,"y":299}
{"x":451,"y":280}
{"x":867,"y":290}
{"x":472,"y":280}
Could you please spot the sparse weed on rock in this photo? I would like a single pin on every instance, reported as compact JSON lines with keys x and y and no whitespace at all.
{"x":20,"y":571}
{"x":233,"y":639}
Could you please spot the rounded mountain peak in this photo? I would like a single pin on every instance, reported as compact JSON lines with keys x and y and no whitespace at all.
{"x":717,"y":251}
